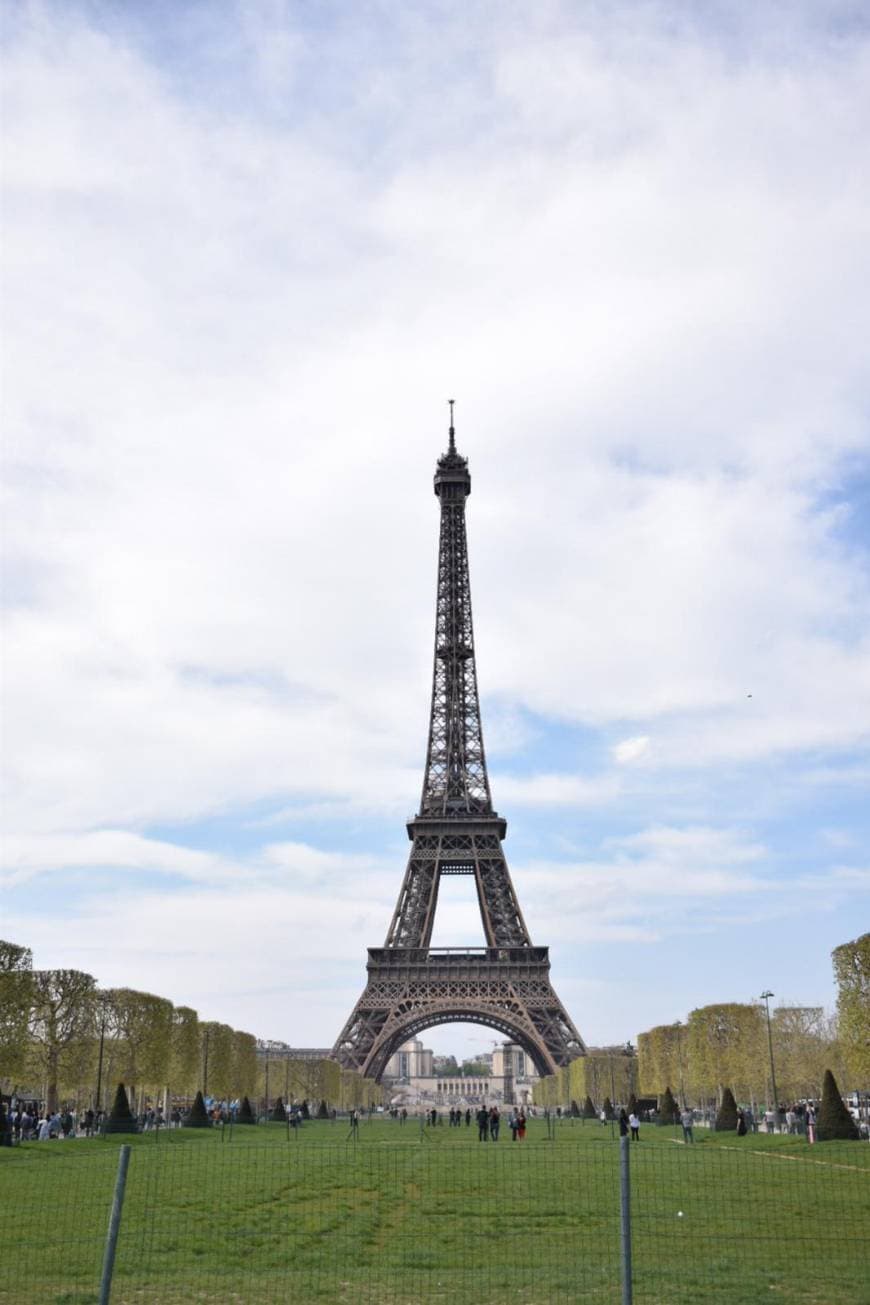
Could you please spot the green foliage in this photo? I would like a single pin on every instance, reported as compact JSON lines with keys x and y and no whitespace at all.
{"x":669,"y":1111}
{"x":661,"y":1054}
{"x":852,"y":972}
{"x":244,"y":1072}
{"x":279,"y":1114}
{"x":475,"y":1069}
{"x":834,"y":1120}
{"x":589,"y":1111}
{"x":726,"y":1044}
{"x":246,"y":1114}
{"x":197,"y":1116}
{"x":217,"y":1058}
{"x":61,"y":1026}
{"x":726,"y":1119}
{"x":140,"y":1027}
{"x":16,"y":997}
{"x":121,"y":1119}
{"x":184,"y":1058}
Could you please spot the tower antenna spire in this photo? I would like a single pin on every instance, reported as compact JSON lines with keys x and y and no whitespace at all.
{"x":452,"y":431}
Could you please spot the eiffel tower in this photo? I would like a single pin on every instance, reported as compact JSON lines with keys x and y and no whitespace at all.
{"x":412,"y":986}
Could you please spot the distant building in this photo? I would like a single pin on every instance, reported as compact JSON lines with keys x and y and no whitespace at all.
{"x":412,"y":1079}
{"x":412,"y":1060}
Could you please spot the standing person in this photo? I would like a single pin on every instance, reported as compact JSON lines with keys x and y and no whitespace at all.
{"x":741,"y":1123}
{"x":468,"y":1117}
{"x":514,"y":1125}
{"x":687,"y":1121}
{"x":634,"y":1125}
{"x":482,"y":1124}
{"x":811,"y":1122}
{"x":521,"y":1125}
{"x":494,"y":1123}
{"x":623,"y":1123}
{"x":602,"y":1115}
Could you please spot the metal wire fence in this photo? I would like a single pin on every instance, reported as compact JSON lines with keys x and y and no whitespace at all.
{"x":392,"y":1216}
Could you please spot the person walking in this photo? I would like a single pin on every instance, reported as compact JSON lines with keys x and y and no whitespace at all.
{"x":521,"y":1125}
{"x":687,"y":1120}
{"x":494,"y":1123}
{"x":634,"y":1125}
{"x":482,"y":1124}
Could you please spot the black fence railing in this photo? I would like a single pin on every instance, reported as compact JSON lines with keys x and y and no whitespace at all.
{"x":388,"y":1216}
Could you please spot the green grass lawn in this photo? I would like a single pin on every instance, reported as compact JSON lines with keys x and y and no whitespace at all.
{"x":404,"y":1215}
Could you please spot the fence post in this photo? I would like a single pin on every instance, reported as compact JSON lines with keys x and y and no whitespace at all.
{"x":625,"y":1219}
{"x":114,"y":1226}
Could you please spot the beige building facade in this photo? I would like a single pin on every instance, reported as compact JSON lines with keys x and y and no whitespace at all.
{"x":412,"y":1081}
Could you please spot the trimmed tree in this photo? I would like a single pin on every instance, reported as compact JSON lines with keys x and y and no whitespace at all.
{"x":834,"y":1120}
{"x":279,"y":1114}
{"x":589,"y":1111}
{"x":121,"y":1118}
{"x":632,"y":1104}
{"x":575,"y":1109}
{"x":197,"y":1115}
{"x":608,"y":1108}
{"x":322,"y":1112}
{"x":246,"y":1114}
{"x":306,"y":1113}
{"x":726,"y":1119}
{"x":669,"y":1112}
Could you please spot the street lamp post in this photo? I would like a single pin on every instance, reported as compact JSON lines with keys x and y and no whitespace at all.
{"x":765,"y":997}
{"x":100,"y":1058}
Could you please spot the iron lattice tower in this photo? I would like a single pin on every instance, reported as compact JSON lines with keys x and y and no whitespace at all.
{"x":412,"y":986}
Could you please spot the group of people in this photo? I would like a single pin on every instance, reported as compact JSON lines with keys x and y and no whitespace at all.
{"x":30,"y":1124}
{"x":489,"y":1124}
{"x":628,"y":1123}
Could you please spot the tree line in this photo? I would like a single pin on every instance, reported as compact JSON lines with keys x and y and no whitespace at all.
{"x":727,"y":1044}
{"x":66,"y":1039}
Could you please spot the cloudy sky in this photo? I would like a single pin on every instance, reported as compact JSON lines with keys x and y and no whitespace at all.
{"x":251,"y":250}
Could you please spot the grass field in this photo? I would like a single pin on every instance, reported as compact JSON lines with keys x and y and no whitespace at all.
{"x":411,"y":1215}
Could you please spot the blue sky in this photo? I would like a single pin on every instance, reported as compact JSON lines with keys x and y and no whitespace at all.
{"x":250,"y":251}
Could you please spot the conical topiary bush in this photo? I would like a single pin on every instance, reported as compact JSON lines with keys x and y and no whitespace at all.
{"x":575,"y":1109}
{"x":279,"y":1114}
{"x":306,"y":1113}
{"x":834,"y":1121}
{"x":726,"y":1119}
{"x":197,"y":1116}
{"x":246,"y":1114}
{"x":669,"y":1111}
{"x":322,"y":1112}
{"x":608,"y":1108}
{"x":121,"y":1118}
{"x":589,"y":1111}
{"x":632,"y":1104}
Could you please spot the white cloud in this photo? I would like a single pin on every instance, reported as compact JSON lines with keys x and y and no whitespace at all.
{"x":242,"y":291}
{"x":631,"y":749}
